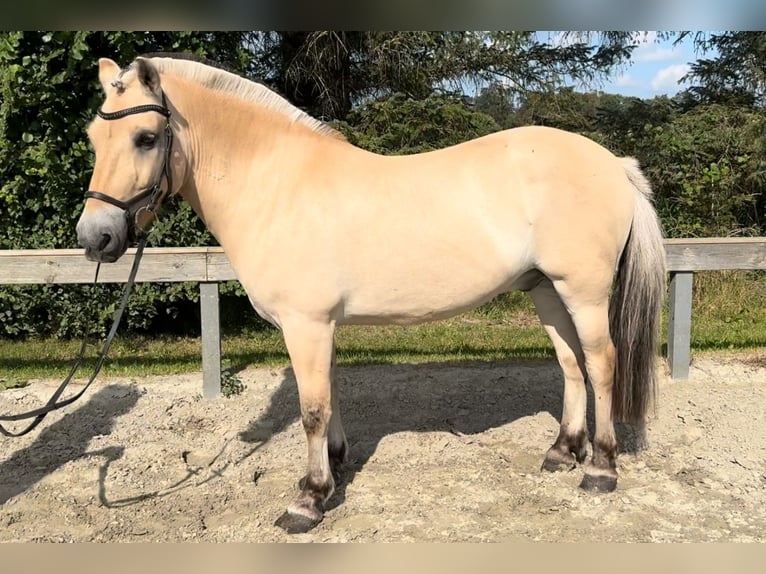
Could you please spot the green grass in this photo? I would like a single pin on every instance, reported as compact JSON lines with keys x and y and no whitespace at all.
{"x":453,"y":340}
{"x":505,"y":329}
{"x":729,"y":311}
{"x":728,"y":314}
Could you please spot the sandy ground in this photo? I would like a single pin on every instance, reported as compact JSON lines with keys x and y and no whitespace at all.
{"x":438,"y":453}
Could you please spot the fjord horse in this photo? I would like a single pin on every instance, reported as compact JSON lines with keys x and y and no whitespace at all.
{"x":322,"y":233}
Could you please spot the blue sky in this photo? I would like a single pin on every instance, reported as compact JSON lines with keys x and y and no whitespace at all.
{"x":655,"y":67}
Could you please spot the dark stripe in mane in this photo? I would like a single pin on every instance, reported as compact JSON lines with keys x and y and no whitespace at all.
{"x":234,"y":82}
{"x":192,"y":57}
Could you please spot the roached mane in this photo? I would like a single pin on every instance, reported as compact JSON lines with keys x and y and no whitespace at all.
{"x":212,"y":76}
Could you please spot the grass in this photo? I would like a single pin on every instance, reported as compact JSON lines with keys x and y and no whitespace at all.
{"x":729,"y":311}
{"x":728,"y":314}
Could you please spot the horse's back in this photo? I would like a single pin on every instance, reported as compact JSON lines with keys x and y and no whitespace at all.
{"x":533,"y":183}
{"x":408,"y":238}
{"x":446,"y":230}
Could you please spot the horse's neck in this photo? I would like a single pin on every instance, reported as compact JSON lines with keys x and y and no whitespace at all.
{"x":236,"y":157}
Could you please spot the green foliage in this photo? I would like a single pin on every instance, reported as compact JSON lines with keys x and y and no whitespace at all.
{"x":725,"y":316}
{"x":736,"y":75}
{"x":389,"y":92}
{"x":12,"y":383}
{"x":330,"y":72}
{"x":48,"y":93}
{"x":709,"y":170}
{"x":231,"y":384}
{"x":706,"y":163}
{"x":496,"y":100}
{"x":402,"y":125}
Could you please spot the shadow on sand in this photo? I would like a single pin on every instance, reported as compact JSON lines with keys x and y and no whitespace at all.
{"x":476,"y":397}
{"x":67,"y":439}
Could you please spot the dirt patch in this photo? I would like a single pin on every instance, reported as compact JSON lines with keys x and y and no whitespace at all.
{"x":438,"y":453}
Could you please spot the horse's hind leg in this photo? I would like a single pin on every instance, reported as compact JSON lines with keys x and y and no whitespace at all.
{"x":589,"y":310}
{"x":337,"y":445}
{"x":572,"y":443}
{"x":310,"y":345}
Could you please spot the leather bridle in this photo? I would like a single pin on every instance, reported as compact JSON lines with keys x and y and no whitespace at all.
{"x":149,"y":198}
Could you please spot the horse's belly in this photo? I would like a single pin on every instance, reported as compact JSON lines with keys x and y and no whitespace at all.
{"x":417,"y":302}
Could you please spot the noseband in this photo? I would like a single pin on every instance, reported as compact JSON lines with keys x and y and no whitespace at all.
{"x":148,"y":199}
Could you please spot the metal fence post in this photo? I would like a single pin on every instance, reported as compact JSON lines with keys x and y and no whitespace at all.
{"x":680,"y":324}
{"x":211,"y":339}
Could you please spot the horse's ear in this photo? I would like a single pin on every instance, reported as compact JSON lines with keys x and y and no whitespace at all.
{"x":148,"y":75}
{"x":107,"y":72}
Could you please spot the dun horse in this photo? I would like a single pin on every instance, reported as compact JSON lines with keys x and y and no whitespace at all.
{"x":322,"y":233}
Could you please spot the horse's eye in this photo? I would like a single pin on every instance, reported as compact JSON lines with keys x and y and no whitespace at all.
{"x":146,"y":140}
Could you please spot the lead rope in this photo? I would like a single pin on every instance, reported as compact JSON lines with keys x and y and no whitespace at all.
{"x":40,"y":413}
{"x":154,"y":194}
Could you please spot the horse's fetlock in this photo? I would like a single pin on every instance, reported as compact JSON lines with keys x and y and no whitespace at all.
{"x":604,"y":454}
{"x":315,"y":418}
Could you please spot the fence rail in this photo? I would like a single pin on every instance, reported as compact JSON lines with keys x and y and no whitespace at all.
{"x":684,"y":257}
{"x":209,"y":265}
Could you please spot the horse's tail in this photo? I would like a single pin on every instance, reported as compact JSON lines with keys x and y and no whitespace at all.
{"x":635,"y":306}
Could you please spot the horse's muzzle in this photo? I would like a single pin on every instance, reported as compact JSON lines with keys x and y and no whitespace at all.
{"x":103,"y":234}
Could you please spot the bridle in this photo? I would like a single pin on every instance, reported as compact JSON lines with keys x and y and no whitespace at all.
{"x":149,"y":198}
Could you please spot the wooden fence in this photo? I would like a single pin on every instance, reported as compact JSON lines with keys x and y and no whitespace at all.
{"x":209,"y":266}
{"x":684,"y":257}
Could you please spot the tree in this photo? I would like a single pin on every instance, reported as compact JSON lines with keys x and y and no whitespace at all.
{"x":565,"y":109}
{"x":624,"y":123}
{"x":736,"y":75}
{"x":48,"y":93}
{"x":497,"y":101}
{"x":403,"y":125}
{"x":328,"y":73}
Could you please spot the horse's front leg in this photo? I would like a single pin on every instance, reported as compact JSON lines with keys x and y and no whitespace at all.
{"x":310,"y":345}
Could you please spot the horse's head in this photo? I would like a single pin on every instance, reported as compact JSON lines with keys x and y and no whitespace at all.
{"x":132,"y":141}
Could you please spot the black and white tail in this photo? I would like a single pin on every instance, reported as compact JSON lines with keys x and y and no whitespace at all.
{"x":636,"y":304}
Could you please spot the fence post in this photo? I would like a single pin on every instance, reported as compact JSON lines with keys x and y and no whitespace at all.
{"x":680,"y":324}
{"x":211,"y":339}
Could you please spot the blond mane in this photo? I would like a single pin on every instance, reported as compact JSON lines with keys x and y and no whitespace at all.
{"x":222,"y":81}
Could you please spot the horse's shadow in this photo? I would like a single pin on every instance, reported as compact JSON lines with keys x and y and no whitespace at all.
{"x":67,"y":439}
{"x":421,"y":398}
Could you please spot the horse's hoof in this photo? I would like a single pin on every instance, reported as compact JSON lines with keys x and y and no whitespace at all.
{"x":555,"y":462}
{"x":296,"y":523}
{"x":598,"y":483}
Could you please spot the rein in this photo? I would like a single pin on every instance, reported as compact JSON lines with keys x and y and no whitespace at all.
{"x":135,"y":233}
{"x":40,"y":413}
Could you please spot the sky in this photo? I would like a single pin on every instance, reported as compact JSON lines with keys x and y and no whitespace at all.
{"x":655,"y":68}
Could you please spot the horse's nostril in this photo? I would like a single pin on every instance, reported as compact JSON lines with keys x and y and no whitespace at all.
{"x":105,"y":239}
